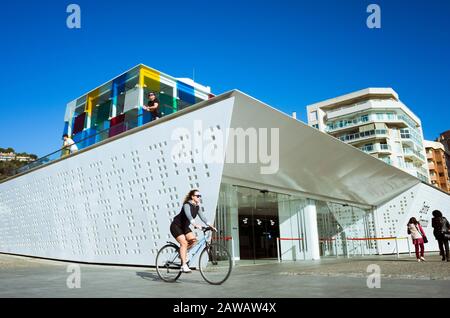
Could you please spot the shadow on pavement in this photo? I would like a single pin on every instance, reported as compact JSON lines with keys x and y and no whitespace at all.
{"x":187,"y":278}
{"x":149,"y":276}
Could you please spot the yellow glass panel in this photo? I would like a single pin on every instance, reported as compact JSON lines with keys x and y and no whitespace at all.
{"x":90,"y":97}
{"x":150,"y":79}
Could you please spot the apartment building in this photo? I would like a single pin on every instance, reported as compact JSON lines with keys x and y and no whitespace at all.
{"x":375,"y":121}
{"x":437,"y":164}
{"x":444,"y":139}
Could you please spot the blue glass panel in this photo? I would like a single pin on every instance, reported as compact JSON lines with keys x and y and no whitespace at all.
{"x":90,"y":135}
{"x":146,"y":117}
{"x":77,"y":138}
{"x":118,"y":86}
{"x":185,"y":92}
{"x":66,"y":128}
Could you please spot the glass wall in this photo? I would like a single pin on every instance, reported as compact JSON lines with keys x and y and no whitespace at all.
{"x":117,"y":105}
{"x":345,"y":230}
{"x":267,"y":226}
{"x":264,"y":225}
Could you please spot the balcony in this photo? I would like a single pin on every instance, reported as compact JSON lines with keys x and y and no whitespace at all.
{"x":377,"y":148}
{"x":412,"y":168}
{"x":411,"y":140}
{"x":370,"y":134}
{"x":397,"y":120}
{"x":408,"y":140}
{"x":421,"y":176}
{"x":423,"y":170}
{"x":336,"y":128}
{"x":365,"y":105}
{"x":385,"y":148}
{"x":413,"y":154}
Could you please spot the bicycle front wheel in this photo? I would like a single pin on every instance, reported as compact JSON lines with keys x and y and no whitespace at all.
{"x":168,"y":263}
{"x":215,"y":264}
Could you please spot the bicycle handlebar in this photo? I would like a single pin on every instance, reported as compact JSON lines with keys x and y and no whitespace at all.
{"x":208,"y":228}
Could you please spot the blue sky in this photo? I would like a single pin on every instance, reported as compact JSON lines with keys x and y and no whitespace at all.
{"x":285,"y":53}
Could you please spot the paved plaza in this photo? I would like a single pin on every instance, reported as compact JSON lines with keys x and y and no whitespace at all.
{"x":333,"y":277}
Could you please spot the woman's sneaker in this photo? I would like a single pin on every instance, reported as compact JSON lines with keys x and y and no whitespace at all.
{"x":185,"y":269}
{"x":422,"y":258}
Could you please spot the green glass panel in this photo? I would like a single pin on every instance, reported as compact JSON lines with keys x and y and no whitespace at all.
{"x":175,"y":104}
{"x":94,"y":115}
{"x":167,"y":104}
{"x":103,"y":112}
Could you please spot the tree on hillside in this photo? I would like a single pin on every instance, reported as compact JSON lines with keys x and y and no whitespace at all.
{"x":6,"y":150}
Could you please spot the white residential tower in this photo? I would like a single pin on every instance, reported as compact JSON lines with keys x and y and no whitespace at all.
{"x":375,"y":121}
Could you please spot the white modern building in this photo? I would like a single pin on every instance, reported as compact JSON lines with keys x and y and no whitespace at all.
{"x":265,"y":178}
{"x":378,"y":123}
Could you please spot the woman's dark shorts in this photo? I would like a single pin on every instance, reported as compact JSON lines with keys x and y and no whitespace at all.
{"x":177,"y":230}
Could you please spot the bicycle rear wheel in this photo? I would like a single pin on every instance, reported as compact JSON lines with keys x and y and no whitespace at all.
{"x":168,"y":263}
{"x":215,"y":264}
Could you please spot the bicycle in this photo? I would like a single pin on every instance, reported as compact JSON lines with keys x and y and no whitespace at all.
{"x":214,"y":264}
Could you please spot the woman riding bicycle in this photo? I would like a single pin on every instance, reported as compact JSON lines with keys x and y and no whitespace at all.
{"x":180,"y":226}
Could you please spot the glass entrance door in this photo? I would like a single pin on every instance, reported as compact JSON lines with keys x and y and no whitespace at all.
{"x":258,"y":224}
{"x":266,"y":225}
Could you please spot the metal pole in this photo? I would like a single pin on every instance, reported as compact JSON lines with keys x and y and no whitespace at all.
{"x":396,"y":247}
{"x":232,"y":252}
{"x":353,"y":246}
{"x":278,"y":250}
{"x":361,"y":245}
{"x":346,"y":248}
{"x":304,"y":248}
{"x":293,"y":249}
{"x":409,"y":246}
{"x":336,"y":247}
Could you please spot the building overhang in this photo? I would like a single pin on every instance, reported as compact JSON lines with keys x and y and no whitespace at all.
{"x":313,"y":162}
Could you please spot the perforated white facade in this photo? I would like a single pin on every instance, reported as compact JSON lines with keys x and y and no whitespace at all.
{"x":112,"y":203}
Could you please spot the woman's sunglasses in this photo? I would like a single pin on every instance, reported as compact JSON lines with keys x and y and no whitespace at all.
{"x":198,"y":195}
